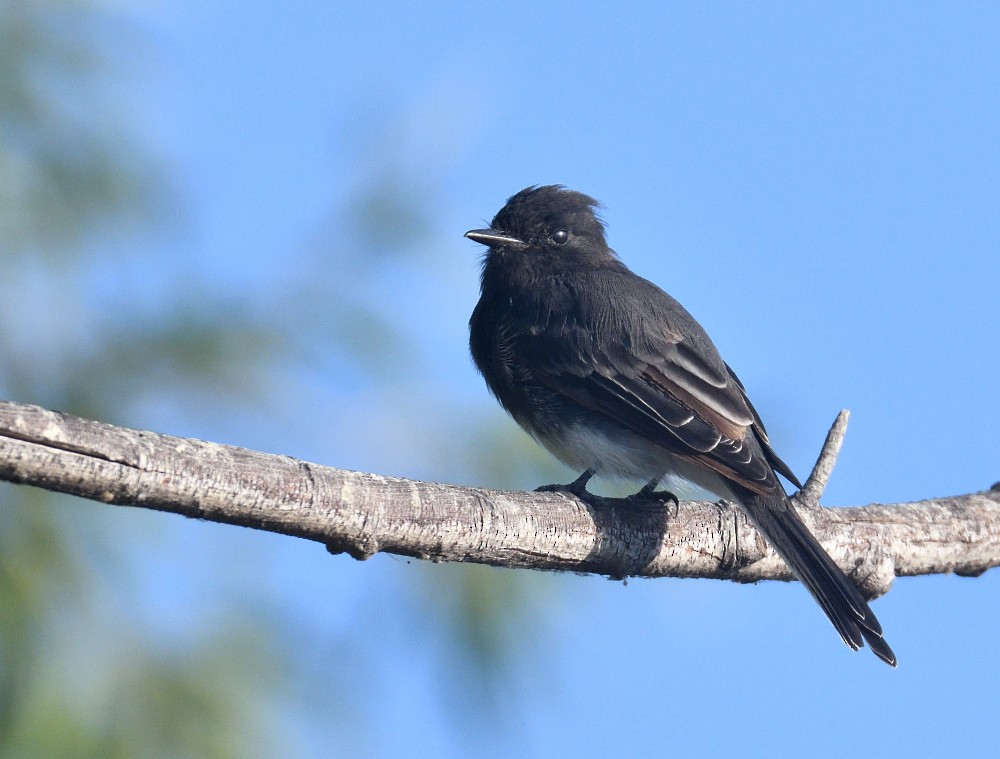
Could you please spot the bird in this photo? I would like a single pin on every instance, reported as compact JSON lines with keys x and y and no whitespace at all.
{"x":615,"y":378}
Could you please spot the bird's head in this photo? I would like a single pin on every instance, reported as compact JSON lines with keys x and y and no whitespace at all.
{"x":546,"y":222}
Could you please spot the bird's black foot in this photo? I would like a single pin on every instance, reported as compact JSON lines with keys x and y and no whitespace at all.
{"x":577,"y":487}
{"x":650,"y":493}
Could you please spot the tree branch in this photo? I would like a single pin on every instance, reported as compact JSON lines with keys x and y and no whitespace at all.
{"x":362,"y":514}
{"x":814,"y":486}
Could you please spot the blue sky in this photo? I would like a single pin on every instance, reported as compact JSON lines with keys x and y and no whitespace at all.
{"x":817,"y":184}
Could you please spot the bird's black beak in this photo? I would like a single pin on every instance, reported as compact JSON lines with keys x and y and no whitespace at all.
{"x":494,"y":238}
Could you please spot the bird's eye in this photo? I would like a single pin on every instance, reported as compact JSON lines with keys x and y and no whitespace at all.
{"x":560,"y":237}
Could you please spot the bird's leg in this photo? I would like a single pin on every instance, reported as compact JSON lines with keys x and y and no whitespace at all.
{"x":577,"y":487}
{"x":650,"y":493}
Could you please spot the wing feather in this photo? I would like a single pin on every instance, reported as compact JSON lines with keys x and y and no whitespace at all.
{"x":663,"y":380}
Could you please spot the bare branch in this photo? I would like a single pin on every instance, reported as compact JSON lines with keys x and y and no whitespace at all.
{"x":362,"y":514}
{"x":814,"y":486}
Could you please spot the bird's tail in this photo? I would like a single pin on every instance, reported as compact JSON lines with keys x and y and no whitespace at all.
{"x":847,"y":609}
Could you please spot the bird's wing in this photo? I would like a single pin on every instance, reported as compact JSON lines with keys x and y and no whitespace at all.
{"x":758,"y":426}
{"x":664,"y":380}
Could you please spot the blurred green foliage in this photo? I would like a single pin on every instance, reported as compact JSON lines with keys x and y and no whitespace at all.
{"x":68,"y":176}
{"x":77,"y":339}
{"x":66,"y":169}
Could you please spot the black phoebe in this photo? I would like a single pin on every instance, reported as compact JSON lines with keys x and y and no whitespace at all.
{"x":615,"y":377}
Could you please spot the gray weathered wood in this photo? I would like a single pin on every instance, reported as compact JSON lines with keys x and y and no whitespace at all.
{"x":362,"y":514}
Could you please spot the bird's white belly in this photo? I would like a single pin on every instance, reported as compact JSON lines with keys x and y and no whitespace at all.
{"x":625,"y":455}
